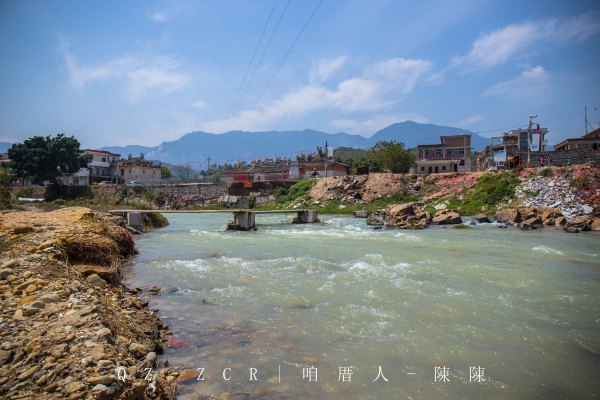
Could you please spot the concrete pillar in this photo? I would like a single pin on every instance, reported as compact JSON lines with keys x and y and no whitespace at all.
{"x":134,"y":219}
{"x":307,"y":217}
{"x":242,"y":221}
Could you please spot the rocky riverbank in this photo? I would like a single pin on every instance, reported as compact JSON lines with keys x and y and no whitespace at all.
{"x":67,"y":324}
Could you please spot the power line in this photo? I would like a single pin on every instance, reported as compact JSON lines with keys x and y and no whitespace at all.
{"x":261,"y":59}
{"x":250,"y":63}
{"x":289,"y":51}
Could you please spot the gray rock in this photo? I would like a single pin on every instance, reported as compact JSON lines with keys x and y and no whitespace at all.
{"x":30,"y":311}
{"x":5,"y":273}
{"x":4,"y":357}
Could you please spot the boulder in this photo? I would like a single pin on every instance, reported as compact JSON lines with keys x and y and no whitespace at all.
{"x":400,"y":210}
{"x":508,"y":216}
{"x":595,"y":224}
{"x":550,"y":213}
{"x":578,"y":223}
{"x":361,"y":214}
{"x":138,"y":349}
{"x":560,"y":221}
{"x":527,"y":213}
{"x":96,"y":280}
{"x":5,"y":273}
{"x":531,"y":223}
{"x":406,"y":216}
{"x":21,"y":229}
{"x":481,"y":218}
{"x":376,"y":218}
{"x":445,"y":217}
{"x":596,"y":213}
{"x":13,"y":263}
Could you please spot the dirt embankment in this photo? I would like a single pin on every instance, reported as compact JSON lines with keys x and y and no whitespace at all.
{"x":364,"y":189}
{"x":66,"y":322}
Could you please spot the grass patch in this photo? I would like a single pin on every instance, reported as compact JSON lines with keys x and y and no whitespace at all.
{"x":300,"y":189}
{"x":490,"y":190}
{"x":546,"y":172}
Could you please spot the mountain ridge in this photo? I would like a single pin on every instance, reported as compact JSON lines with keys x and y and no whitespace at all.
{"x":195,"y":147}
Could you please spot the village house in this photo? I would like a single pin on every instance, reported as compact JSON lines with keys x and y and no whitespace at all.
{"x":102,"y":165}
{"x":589,"y":140}
{"x":517,"y":144}
{"x":453,"y":154}
{"x":137,"y":170}
{"x":285,"y":170}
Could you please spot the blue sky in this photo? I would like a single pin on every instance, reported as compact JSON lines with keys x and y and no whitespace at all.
{"x":143,"y":72}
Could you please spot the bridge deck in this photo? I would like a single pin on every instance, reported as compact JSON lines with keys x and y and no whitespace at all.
{"x":233,"y":210}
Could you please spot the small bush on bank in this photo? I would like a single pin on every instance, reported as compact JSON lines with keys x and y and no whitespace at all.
{"x":490,"y":190}
{"x":298,"y":190}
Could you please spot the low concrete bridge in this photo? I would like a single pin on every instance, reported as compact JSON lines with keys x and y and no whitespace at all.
{"x":243,"y":220}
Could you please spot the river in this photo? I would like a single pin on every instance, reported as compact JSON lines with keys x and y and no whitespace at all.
{"x":340,"y":310}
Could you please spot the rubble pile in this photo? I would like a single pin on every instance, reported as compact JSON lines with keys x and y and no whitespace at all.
{"x":66,"y":323}
{"x":553,"y":192}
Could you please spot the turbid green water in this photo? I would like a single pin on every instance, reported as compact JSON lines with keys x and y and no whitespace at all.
{"x":523,"y":306}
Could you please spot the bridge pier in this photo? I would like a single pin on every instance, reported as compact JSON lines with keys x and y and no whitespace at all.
{"x":306,"y":217}
{"x":134,"y":220}
{"x":242,"y":221}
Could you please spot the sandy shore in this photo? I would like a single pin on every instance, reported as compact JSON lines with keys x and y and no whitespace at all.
{"x":66,"y":321}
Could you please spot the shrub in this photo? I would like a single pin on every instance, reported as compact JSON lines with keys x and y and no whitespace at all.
{"x":546,"y":172}
{"x":298,"y":190}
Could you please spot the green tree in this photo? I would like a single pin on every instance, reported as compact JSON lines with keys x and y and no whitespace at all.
{"x":6,"y":179}
{"x":390,"y":155}
{"x":47,"y":158}
{"x":165,"y":172}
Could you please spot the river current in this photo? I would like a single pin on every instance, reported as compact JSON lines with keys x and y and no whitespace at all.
{"x":339,"y":310}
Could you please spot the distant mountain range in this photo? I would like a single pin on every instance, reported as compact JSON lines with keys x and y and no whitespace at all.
{"x":196,"y":147}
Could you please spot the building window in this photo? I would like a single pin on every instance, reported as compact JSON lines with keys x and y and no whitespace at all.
{"x":427,"y":153}
{"x":448,"y":152}
{"x":143,"y":171}
{"x":438,"y":152}
{"x":103,"y":159}
{"x":461,"y":152}
{"x":422,"y":168}
{"x":129,"y":171}
{"x":443,"y":167}
{"x":123,"y":172}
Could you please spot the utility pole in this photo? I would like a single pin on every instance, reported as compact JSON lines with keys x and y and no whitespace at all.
{"x":326,"y":157}
{"x":208,"y":165}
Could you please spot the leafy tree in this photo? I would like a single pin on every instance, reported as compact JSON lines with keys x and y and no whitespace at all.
{"x":6,"y":179}
{"x":165,"y":172}
{"x":47,"y":158}
{"x":390,"y":155}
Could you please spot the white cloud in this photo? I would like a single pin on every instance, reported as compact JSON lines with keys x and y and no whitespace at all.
{"x":518,"y":40}
{"x":374,"y":90}
{"x":140,"y":74}
{"x":326,"y":69}
{"x":159,"y":16}
{"x":401,"y":73}
{"x":373,"y":123}
{"x":470,"y":120}
{"x":530,"y":83}
{"x":199,"y":105}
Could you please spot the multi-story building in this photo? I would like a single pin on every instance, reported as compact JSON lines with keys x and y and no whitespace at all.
{"x":137,"y":170}
{"x":520,"y":144}
{"x":453,"y":154}
{"x":589,"y":140}
{"x":102,"y":165}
